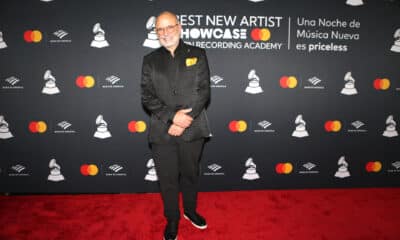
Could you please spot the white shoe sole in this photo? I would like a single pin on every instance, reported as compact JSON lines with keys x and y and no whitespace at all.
{"x":197,"y":226}
{"x":175,"y":238}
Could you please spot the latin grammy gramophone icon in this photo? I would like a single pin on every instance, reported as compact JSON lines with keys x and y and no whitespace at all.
{"x":343,"y":171}
{"x":390,"y":130}
{"x":4,"y":130}
{"x":102,"y":131}
{"x":300,"y":130}
{"x":151,"y":173}
{"x":2,"y":43}
{"x":55,"y":173}
{"x":99,"y":40}
{"x":355,"y":2}
{"x":152,"y":40}
{"x":251,"y":171}
{"x":349,"y":86}
{"x":50,"y":87}
{"x":254,"y":83}
{"x":396,"y":45}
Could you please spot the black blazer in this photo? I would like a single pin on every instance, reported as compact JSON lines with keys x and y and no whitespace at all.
{"x":170,"y":84}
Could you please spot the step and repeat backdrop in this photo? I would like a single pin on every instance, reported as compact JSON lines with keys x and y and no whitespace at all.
{"x":305,"y":94}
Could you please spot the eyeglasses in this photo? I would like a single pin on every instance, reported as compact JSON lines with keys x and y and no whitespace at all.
{"x":167,"y":29}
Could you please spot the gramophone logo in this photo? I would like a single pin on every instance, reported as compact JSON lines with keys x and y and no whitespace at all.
{"x":115,"y":170}
{"x":309,"y":168}
{"x":50,"y":87}
{"x":102,"y":130}
{"x":89,"y":170}
{"x":99,"y":40}
{"x":2,"y":42}
{"x":152,"y":40}
{"x":55,"y":172}
{"x":18,"y":170}
{"x":314,"y":83}
{"x":396,"y":45}
{"x":60,"y":36}
{"x":300,"y":130}
{"x":64,"y":127}
{"x":256,"y":1}
{"x":215,"y":170}
{"x":390,"y":130}
{"x":37,"y":127}
{"x":137,"y":126}
{"x":355,"y":2}
{"x":215,"y":82}
{"x":342,"y":171}
{"x":333,"y":126}
{"x":33,"y":36}
{"x":349,"y":87}
{"x":238,"y":126}
{"x":288,"y":82}
{"x":4,"y":129}
{"x":12,"y":83}
{"x":151,"y":172}
{"x":251,"y":170}
{"x":374,"y":167}
{"x":357,"y":127}
{"x":85,"y":81}
{"x":381,"y":84}
{"x":113,"y":82}
{"x":254,"y":83}
{"x":284,"y":168}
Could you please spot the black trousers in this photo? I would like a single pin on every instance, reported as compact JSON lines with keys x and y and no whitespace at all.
{"x":177,"y":166}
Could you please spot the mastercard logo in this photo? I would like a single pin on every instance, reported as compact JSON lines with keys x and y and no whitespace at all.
{"x":137,"y":126}
{"x":37,"y":127}
{"x":32,"y":36}
{"x":260,"y":34}
{"x":381,"y":84}
{"x":89,"y":170}
{"x":373,"y":166}
{"x":85,"y":81}
{"x":288,"y":82}
{"x":333,"y":126}
{"x":238,"y":126}
{"x":284,"y":168}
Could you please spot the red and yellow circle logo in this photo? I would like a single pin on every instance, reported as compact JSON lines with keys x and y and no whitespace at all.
{"x":37,"y":127}
{"x":333,"y":126}
{"x":381,"y":84}
{"x":137,"y":126}
{"x":260,"y":34}
{"x":85,"y":81}
{"x":89,"y":170}
{"x":288,"y":82}
{"x":375,"y":166}
{"x":34,"y":36}
{"x":284,"y":168}
{"x":238,"y":126}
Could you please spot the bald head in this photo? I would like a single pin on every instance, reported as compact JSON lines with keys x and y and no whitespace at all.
{"x":168,"y":30}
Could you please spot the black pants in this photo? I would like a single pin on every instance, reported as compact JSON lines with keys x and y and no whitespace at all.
{"x":177,"y":166}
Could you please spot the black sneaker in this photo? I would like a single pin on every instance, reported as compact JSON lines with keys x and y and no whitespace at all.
{"x":197,"y":220}
{"x":171,"y":230}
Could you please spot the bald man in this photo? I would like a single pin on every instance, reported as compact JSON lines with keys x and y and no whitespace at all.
{"x":175,"y":89}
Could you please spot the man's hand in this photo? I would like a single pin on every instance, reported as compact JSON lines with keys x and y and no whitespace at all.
{"x":175,"y":130}
{"x":181,"y":118}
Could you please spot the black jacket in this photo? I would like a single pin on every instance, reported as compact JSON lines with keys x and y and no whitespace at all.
{"x":169,"y":84}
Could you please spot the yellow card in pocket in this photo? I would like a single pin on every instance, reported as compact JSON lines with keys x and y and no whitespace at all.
{"x":191,"y":61}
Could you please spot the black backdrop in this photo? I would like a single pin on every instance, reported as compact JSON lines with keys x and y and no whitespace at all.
{"x":369,"y":52}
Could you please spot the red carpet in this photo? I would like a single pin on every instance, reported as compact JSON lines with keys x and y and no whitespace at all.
{"x":338,"y":214}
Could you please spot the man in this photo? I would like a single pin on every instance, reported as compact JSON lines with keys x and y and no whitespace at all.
{"x":175,"y":89}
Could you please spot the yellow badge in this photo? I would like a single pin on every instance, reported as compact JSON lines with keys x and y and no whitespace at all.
{"x":191,"y":61}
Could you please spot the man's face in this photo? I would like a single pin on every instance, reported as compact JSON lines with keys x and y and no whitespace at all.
{"x":168,"y":31}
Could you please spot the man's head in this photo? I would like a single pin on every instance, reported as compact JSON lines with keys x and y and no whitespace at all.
{"x":168,"y":30}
